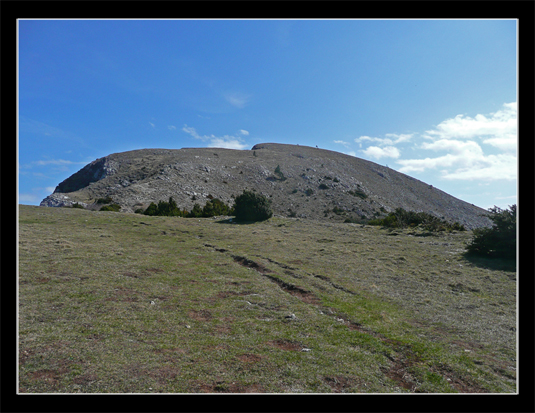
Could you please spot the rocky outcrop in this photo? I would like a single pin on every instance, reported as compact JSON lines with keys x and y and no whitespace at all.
{"x":318,"y":184}
{"x":95,"y":171}
{"x":60,"y":200}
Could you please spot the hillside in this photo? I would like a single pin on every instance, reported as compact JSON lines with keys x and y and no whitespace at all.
{"x":313,"y":183}
{"x":125,"y":303}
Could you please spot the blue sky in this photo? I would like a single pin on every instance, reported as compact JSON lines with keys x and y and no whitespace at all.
{"x":434,"y":99}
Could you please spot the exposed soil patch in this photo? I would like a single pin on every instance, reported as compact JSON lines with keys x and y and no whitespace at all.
{"x":461,"y":384}
{"x":223,"y":387}
{"x":398,"y":373}
{"x":339,"y":384}
{"x":249,"y":358}
{"x":251,"y":264}
{"x":286,"y":345}
{"x":200,"y":315}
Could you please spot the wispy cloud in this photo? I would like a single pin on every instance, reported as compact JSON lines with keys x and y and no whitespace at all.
{"x":391,"y":139}
{"x":53,"y":162}
{"x":377,"y":152}
{"x":346,"y":144}
{"x":237,"y":99}
{"x":226,"y":141}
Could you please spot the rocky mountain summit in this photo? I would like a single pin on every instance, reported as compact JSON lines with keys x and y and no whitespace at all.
{"x":301,"y":182}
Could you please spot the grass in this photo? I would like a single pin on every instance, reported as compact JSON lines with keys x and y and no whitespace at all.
{"x":124,"y":303}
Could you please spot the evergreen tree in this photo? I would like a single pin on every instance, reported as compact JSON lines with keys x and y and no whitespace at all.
{"x":252,"y":207}
{"x":498,"y":241}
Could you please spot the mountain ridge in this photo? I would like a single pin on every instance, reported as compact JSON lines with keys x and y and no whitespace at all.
{"x":310,"y":183}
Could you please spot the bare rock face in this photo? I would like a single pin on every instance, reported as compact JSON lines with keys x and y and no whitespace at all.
{"x":301,"y":181}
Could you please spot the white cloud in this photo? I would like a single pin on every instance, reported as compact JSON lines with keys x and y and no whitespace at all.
{"x":171,"y":127}
{"x":364,"y":138}
{"x":226,"y":142}
{"x":244,"y":132}
{"x":465,"y":159}
{"x":378,"y":153}
{"x":399,"y":138}
{"x":229,"y":142}
{"x":500,"y":124}
{"x":152,"y":124}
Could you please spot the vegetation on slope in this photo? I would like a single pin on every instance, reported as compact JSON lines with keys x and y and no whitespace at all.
{"x":403,"y":219}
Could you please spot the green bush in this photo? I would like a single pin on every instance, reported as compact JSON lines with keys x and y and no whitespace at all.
{"x":279,"y":173}
{"x":498,"y":241}
{"x":252,"y":207}
{"x":358,"y":193}
{"x":169,"y":209}
{"x":106,"y":200}
{"x":402,"y":219}
{"x":196,"y":212}
{"x":112,"y":207}
{"x":77,"y":205}
{"x":213,"y":207}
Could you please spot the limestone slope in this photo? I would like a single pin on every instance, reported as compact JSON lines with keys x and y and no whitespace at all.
{"x":313,"y":183}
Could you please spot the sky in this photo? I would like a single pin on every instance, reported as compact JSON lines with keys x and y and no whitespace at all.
{"x":433,"y":99}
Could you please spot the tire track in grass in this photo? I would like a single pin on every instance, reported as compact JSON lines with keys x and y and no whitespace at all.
{"x":405,"y":357}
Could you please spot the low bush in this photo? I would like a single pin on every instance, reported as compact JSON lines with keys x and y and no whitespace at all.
{"x":213,"y":207}
{"x":402,"y":219}
{"x":106,"y":200}
{"x":111,"y":207}
{"x":279,"y":173}
{"x":252,"y":207}
{"x":358,"y":193}
{"x":498,"y":241}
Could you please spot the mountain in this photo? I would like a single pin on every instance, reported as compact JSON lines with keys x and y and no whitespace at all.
{"x":301,"y":181}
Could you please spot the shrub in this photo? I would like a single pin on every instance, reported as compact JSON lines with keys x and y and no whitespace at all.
{"x":112,"y":207}
{"x":215,"y":207}
{"x":498,"y":241}
{"x":163,"y":208}
{"x":252,"y":207}
{"x":77,"y":205}
{"x":106,"y":200}
{"x":279,"y":173}
{"x":309,"y":192}
{"x":402,"y":219}
{"x":358,"y":193}
{"x":196,"y":212}
{"x":323,"y":186}
{"x":151,"y":210}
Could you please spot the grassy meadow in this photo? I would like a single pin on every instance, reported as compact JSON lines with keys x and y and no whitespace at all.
{"x":126,"y":303}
